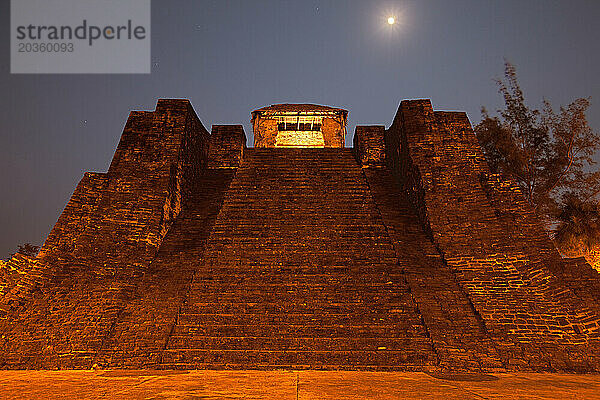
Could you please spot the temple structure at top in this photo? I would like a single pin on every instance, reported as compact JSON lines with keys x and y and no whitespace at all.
{"x":299,"y":125}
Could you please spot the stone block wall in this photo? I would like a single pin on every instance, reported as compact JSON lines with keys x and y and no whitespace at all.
{"x":106,"y":239}
{"x":334,"y":131}
{"x":60,"y":243}
{"x":19,"y":277}
{"x":265,"y":132}
{"x":193,"y":252}
{"x":484,"y":229}
{"x":458,"y":335}
{"x":227,"y":145}
{"x":369,"y":145}
{"x":56,"y":253}
{"x":158,"y":156}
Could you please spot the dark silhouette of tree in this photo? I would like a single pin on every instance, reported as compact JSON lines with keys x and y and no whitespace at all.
{"x":26,"y":249}
{"x":577,"y":231}
{"x":548,"y":153}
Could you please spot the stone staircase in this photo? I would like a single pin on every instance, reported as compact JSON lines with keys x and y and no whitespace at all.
{"x":81,"y":318}
{"x":142,"y":330}
{"x":299,"y":272}
{"x":458,"y":332}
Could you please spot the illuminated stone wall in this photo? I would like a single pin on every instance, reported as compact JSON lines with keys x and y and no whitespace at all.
{"x":490,"y":239}
{"x":369,"y":145}
{"x":106,"y":238}
{"x":227,"y":145}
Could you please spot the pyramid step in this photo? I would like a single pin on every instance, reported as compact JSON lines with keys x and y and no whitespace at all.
{"x":295,"y":308}
{"x":248,"y":298}
{"x":381,"y":358}
{"x":408,"y":344}
{"x":302,"y":272}
{"x":377,"y":317}
{"x":351,"y":330}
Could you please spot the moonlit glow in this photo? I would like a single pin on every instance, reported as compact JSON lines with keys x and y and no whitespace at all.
{"x":391,"y":20}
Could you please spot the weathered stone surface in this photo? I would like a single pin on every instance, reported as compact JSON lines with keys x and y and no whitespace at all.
{"x":227,"y":145}
{"x":404,"y":253}
{"x":369,"y":145}
{"x":458,"y":334}
{"x":298,"y":272}
{"x":492,"y":242}
{"x":106,"y":238}
{"x":19,"y":277}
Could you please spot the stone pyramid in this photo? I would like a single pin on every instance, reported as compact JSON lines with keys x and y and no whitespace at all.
{"x":401,"y":253}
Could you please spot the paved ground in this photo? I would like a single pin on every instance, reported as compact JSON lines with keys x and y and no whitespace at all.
{"x":284,"y":385}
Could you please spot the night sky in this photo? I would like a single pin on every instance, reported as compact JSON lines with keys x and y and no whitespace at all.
{"x":230,"y":57}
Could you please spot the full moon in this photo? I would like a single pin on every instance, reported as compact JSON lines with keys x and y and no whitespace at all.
{"x":391,"y":20}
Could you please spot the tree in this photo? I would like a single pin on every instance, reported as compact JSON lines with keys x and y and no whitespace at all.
{"x":26,"y":249}
{"x":549,"y":154}
{"x":577,"y":232}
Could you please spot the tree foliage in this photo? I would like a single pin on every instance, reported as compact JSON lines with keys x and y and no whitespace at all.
{"x":26,"y":249}
{"x":550,"y":154}
{"x":578,"y":225}
{"x":577,"y":231}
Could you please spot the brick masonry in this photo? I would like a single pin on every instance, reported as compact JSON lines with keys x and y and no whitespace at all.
{"x":491,"y":241}
{"x":227,"y":144}
{"x":402,"y":253}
